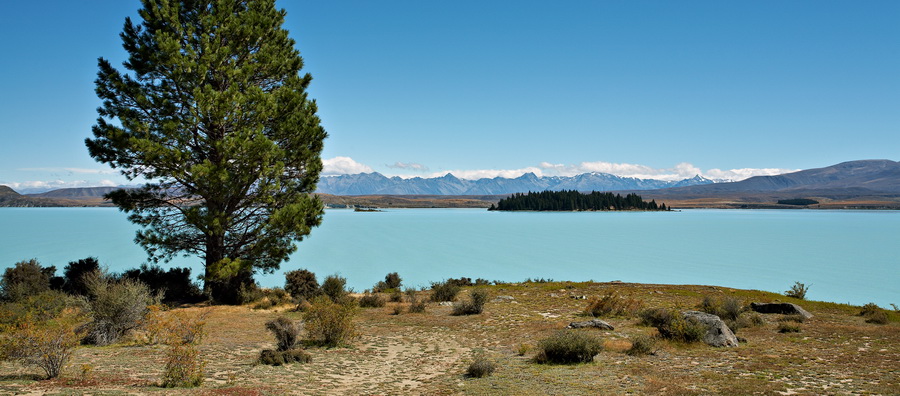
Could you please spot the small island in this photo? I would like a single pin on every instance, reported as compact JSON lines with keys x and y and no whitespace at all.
{"x":572,"y":200}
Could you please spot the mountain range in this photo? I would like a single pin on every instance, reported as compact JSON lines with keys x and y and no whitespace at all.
{"x":377,"y":184}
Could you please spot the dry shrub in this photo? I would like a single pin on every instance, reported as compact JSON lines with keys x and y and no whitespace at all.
{"x":879,"y":317}
{"x":568,"y":346}
{"x":371,"y":300}
{"x":672,"y":325}
{"x":183,"y":331}
{"x":286,"y":332}
{"x":654,"y":317}
{"x":417,"y":307}
{"x":396,"y":295}
{"x":481,"y":367}
{"x":612,"y":304}
{"x":745,"y":320}
{"x":726,"y":308}
{"x":116,"y":306}
{"x":792,"y":318}
{"x":786,"y":327}
{"x":328,"y":323}
{"x":522,"y":349}
{"x":474,"y":306}
{"x":47,"y":344}
{"x":398,"y":309}
{"x":278,"y":358}
{"x":642,"y":345}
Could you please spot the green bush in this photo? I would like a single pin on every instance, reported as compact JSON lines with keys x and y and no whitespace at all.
{"x":798,"y":291}
{"x":654,"y":317}
{"x":481,"y":367}
{"x":116,"y":306}
{"x":334,"y":287}
{"x":74,"y":272}
{"x":672,"y":325}
{"x":478,"y":298}
{"x":568,"y":346}
{"x":786,"y":327}
{"x":39,"y":307}
{"x":396,"y":295}
{"x":286,"y":332}
{"x":726,"y":308}
{"x":642,"y":345}
{"x":612,"y":304}
{"x":444,"y":291}
{"x":249,"y":292}
{"x":328,"y":323}
{"x":391,"y":281}
{"x":24,"y":279}
{"x":874,"y":314}
{"x":371,"y":300}
{"x":301,"y":284}
{"x":175,"y":284}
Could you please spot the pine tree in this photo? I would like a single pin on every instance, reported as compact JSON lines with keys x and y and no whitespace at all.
{"x":213,"y":112}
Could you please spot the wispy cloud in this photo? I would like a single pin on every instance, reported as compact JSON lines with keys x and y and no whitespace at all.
{"x":69,"y":170}
{"x":409,"y":166}
{"x":343,"y":166}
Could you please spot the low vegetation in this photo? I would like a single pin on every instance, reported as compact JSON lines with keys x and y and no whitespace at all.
{"x":475,"y":304}
{"x":329,"y":323}
{"x":642,"y":345}
{"x":798,"y":291}
{"x":568,"y":346}
{"x":481,"y":366}
{"x":672,"y":325}
{"x":287,"y":334}
{"x":371,"y":300}
{"x":444,"y":291}
{"x":612,"y":304}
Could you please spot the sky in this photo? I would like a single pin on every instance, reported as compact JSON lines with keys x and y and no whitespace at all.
{"x":647,"y":89}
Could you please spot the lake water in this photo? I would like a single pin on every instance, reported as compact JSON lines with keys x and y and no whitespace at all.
{"x":846,"y":256}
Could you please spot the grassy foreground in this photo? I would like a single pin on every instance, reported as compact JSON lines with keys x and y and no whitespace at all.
{"x":836,"y":352}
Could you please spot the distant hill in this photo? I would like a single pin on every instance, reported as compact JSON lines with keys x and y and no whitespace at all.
{"x":10,"y":198}
{"x":853,"y":178}
{"x":378,"y":184}
{"x":76,"y":193}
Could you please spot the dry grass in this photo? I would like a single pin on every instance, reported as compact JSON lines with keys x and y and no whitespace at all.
{"x":837,"y":352}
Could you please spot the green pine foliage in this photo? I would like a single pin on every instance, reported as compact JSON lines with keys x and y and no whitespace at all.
{"x":572,"y":200}
{"x":213,"y":109}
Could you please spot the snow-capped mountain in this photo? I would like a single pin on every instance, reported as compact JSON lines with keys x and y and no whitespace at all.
{"x":376,"y":183}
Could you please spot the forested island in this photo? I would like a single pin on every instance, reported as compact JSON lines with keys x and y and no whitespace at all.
{"x":572,"y":200}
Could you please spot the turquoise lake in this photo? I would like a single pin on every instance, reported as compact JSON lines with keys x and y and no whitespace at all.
{"x":846,"y":256}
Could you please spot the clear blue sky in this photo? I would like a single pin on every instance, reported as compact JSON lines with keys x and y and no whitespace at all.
{"x":426,"y":87}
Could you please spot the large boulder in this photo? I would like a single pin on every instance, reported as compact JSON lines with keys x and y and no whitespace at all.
{"x":596,"y":323}
{"x":780,"y":308}
{"x":717,"y":332}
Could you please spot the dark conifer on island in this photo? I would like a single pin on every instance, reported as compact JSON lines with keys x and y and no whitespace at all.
{"x":572,"y":200}
{"x":213,"y":110}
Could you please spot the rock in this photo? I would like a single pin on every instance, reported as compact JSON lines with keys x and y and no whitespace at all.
{"x":780,"y":308}
{"x":717,"y":332}
{"x":446,"y":303}
{"x":590,"y":323}
{"x":572,"y":296}
{"x":503,"y":298}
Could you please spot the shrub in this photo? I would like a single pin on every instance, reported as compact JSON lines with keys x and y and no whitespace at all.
{"x":612,"y":304}
{"x":396,"y":295}
{"x":869,"y":309}
{"x":461,"y":282}
{"x":115,"y":306}
{"x":38,"y":307}
{"x":334,"y":287}
{"x":278,"y":358}
{"x":792,"y":318}
{"x":682,"y":329}
{"x":271,"y":298}
{"x":301,"y":284}
{"x":879,"y":317}
{"x":482,"y":282}
{"x":642,"y":345}
{"x":745,"y":320}
{"x":47,"y":344}
{"x":655,"y":317}
{"x":398,"y":309}
{"x":184,"y":367}
{"x":473,"y":307}
{"x":328,"y":323}
{"x":286,"y":332}
{"x":785,"y":327}
{"x":249,"y":292}
{"x":173,"y":327}
{"x":798,"y":291}
{"x":522,"y":349}
{"x":26,"y":278}
{"x":174,"y":284}
{"x":370,"y":300}
{"x":568,"y":346}
{"x":481,"y":367}
{"x":417,"y":307}
{"x":391,"y":281}
{"x":444,"y":291}
{"x":726,"y":308}
{"x":74,"y":272}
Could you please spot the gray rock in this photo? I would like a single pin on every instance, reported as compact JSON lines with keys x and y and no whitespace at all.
{"x":590,"y":323}
{"x":780,"y":308}
{"x":446,"y":303}
{"x":717,"y":332}
{"x":503,"y":299}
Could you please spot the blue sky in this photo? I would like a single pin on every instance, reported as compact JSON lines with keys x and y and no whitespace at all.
{"x":419,"y":88}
